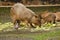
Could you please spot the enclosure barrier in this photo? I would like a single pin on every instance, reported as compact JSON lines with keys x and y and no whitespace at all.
{"x":34,"y":5}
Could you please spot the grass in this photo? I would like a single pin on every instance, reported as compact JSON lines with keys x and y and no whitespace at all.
{"x":36,"y":36}
{"x":47,"y":35}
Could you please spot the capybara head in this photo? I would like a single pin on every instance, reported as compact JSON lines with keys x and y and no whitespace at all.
{"x":36,"y":20}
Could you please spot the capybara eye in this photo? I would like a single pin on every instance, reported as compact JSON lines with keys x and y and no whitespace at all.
{"x":36,"y":16}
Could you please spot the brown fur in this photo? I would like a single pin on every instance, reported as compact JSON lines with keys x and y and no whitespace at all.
{"x":47,"y":17}
{"x":50,"y":18}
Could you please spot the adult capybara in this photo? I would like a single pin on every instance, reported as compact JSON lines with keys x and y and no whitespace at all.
{"x":47,"y":17}
{"x":19,"y":13}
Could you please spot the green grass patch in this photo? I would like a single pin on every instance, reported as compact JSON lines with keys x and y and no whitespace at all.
{"x":36,"y":36}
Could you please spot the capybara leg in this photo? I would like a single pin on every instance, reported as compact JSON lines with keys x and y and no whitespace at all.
{"x":16,"y":24}
{"x":18,"y":21}
{"x":32,"y":25}
{"x":40,"y":25}
{"x":54,"y":21}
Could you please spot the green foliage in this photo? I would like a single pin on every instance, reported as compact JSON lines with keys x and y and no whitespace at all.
{"x":49,"y":25}
{"x":41,"y":9}
{"x":4,"y":10}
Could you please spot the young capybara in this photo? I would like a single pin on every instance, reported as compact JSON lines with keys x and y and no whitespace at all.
{"x":19,"y":13}
{"x":47,"y":17}
{"x":50,"y":18}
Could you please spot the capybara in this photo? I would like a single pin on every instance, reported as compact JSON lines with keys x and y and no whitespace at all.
{"x":50,"y":18}
{"x":47,"y":17}
{"x":19,"y":13}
